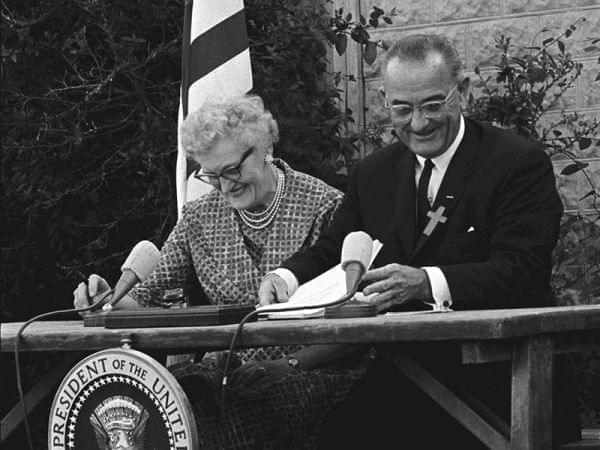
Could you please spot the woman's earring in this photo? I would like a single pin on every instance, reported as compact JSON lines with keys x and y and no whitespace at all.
{"x":268,"y":158}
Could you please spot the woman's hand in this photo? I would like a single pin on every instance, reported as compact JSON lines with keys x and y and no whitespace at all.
{"x":254,"y":372}
{"x":88,"y":293}
{"x":272,"y":289}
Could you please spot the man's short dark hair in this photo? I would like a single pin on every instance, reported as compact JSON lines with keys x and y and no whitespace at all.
{"x":417,"y":47}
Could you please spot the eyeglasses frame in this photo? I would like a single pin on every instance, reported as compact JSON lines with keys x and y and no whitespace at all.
{"x":206,"y":177}
{"x":448,"y":99}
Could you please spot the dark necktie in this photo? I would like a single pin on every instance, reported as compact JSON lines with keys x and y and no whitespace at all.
{"x":422,"y":200}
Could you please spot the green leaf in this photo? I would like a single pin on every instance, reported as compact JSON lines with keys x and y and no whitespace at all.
{"x":573,"y":168}
{"x":341,"y":43}
{"x":591,"y":48}
{"x":568,"y":33}
{"x":370,"y":53}
{"x":331,"y":36}
{"x":387,"y":20}
{"x":547,"y":41}
{"x":584,"y":143}
{"x":476,"y":70}
{"x":561,"y":46}
{"x":557,"y":133}
{"x":363,"y":21}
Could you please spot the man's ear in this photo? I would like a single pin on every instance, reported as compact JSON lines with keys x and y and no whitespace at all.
{"x":463,"y":89}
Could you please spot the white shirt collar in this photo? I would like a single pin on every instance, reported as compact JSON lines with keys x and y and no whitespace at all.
{"x":442,"y":161}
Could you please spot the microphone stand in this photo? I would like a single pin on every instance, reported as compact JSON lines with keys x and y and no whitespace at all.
{"x":18,"y":339}
{"x":338,"y":302}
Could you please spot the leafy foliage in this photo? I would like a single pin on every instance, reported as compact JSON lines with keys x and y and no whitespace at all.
{"x":89,"y":100}
{"x":523,"y":91}
{"x":292,"y":72}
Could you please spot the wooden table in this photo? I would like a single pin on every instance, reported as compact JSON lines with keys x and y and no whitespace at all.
{"x":528,"y":336}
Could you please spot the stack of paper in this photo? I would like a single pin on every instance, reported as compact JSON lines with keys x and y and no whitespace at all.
{"x":327,"y":287}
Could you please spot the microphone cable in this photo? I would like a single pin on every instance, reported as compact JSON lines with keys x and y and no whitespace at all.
{"x":16,"y":352}
{"x":346,"y":297}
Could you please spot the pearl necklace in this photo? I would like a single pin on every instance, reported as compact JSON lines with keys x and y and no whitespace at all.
{"x":260,"y":220}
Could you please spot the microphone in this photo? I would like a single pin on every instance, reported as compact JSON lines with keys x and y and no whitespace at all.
{"x":357,"y":248}
{"x":356,"y":257}
{"x":140,"y":263}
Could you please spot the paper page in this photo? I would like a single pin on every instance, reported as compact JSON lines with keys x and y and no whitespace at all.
{"x":329,"y":286}
{"x":310,"y":313}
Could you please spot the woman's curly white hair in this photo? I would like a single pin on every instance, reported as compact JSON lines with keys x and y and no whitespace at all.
{"x":245,"y":118}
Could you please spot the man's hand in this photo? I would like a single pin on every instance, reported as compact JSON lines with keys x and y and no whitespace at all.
{"x":395,"y":284}
{"x":272,"y":289}
{"x":88,"y":293}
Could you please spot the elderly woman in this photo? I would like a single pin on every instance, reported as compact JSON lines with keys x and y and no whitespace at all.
{"x":259,"y":213}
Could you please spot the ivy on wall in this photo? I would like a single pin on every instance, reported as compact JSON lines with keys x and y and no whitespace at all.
{"x":519,"y":94}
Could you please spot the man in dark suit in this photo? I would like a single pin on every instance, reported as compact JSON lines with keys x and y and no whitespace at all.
{"x":468,"y":215}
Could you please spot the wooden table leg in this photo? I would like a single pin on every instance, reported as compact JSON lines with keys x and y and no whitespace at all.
{"x":488,"y":428}
{"x":531,"y":417}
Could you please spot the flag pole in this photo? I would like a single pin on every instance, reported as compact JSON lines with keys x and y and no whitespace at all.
{"x":181,"y":166}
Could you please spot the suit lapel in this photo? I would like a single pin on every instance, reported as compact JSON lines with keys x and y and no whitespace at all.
{"x":453,"y":185}
{"x":405,"y":202}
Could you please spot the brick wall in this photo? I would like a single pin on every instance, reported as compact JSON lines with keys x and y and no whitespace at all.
{"x":472,"y":26}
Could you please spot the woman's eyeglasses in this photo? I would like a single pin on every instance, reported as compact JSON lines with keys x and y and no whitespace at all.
{"x":232,"y":173}
{"x":430,"y":110}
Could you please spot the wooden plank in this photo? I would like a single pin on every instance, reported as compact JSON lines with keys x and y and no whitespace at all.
{"x":479,"y":352}
{"x":350,"y":64}
{"x":590,"y":439}
{"x":531,"y":410}
{"x":485,"y":412}
{"x":592,"y":434}
{"x":474,"y":422}
{"x":485,"y":352}
{"x":36,"y":395}
{"x":459,"y":325}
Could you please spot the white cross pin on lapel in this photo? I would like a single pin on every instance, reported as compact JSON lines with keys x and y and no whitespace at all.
{"x":434,"y":218}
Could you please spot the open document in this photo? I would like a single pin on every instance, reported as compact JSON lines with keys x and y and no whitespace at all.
{"x":329,"y":286}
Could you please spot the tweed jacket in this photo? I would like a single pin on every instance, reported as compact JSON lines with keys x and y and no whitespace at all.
{"x":209,"y":242}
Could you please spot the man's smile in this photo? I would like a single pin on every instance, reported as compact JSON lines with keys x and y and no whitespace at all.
{"x":424,"y":134}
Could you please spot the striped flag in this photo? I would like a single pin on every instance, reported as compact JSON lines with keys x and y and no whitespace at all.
{"x":215,"y":61}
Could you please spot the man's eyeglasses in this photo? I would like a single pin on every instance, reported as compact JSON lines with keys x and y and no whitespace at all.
{"x":430,"y":110}
{"x":232,"y":174}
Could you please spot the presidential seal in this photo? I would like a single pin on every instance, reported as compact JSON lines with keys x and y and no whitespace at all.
{"x":121,"y":399}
